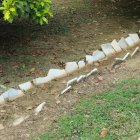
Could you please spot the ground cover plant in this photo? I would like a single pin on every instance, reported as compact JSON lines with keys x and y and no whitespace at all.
{"x":39,"y":10}
{"x":116,"y":111}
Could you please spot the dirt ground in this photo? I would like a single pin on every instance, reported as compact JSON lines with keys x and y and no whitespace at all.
{"x":78,"y":27}
{"x":29,"y":51}
{"x":36,"y":125}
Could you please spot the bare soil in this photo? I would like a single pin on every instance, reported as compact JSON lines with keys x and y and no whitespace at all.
{"x":36,"y":125}
{"x":78,"y":28}
{"x":29,"y":51}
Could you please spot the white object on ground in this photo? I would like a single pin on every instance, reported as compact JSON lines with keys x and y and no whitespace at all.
{"x":56,"y":73}
{"x":81,"y":64}
{"x":72,"y":81}
{"x":135,"y":51}
{"x":98,"y":55}
{"x":39,"y":108}
{"x":135,"y":37}
{"x":108,"y":49}
{"x":12,"y":94}
{"x":2,"y":101}
{"x":81,"y":78}
{"x":123,"y":44}
{"x":89,"y":59}
{"x":71,"y":67}
{"x":130,"y":41}
{"x":42,"y":80}
{"x":118,"y":58}
{"x":66,"y":90}
{"x":20,"y":120}
{"x":126,"y":56}
{"x":116,"y":46}
{"x":92,"y":72}
{"x":26,"y":86}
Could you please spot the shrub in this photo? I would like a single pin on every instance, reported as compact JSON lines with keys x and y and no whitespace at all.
{"x":37,"y":10}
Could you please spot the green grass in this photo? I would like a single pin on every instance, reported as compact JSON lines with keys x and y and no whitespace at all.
{"x":117,"y":110}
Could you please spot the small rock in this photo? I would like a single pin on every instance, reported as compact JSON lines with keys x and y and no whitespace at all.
{"x":58,"y":102}
{"x":100,"y":78}
{"x":96,"y":64}
{"x":1,"y":127}
{"x":39,"y":108}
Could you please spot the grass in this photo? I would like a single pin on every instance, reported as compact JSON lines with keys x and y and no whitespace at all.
{"x":118,"y":111}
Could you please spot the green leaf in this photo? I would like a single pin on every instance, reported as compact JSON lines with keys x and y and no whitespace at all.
{"x":45,"y":20}
{"x":7,"y":15}
{"x":2,"y":8}
{"x":12,"y":9}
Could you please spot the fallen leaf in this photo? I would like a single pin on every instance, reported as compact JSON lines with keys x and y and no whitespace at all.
{"x":32,"y":70}
{"x":66,"y":49}
{"x":104,"y":133}
{"x":51,"y":57}
{"x":100,"y":78}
